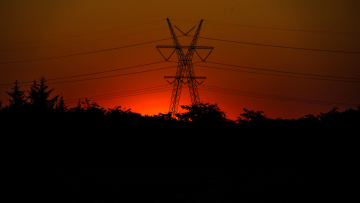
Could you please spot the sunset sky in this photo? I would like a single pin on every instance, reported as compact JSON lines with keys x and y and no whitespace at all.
{"x":276,"y":48}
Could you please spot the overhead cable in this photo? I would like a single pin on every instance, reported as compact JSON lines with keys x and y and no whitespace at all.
{"x":104,"y":77}
{"x":87,"y":74}
{"x":84,"y":53}
{"x":124,"y":94}
{"x":305,"y":75}
{"x":284,"y":47}
{"x":82,"y":34}
{"x":282,"y":29}
{"x":269,"y":96}
{"x":86,"y":41}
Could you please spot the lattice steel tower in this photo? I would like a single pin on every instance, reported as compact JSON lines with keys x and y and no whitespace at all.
{"x":185,"y":70}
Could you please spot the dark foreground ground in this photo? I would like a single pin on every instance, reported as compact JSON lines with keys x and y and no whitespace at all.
{"x":125,"y":157}
{"x":157,"y":185}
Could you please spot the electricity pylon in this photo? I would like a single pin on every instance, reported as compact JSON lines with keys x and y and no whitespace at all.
{"x":185,"y":70}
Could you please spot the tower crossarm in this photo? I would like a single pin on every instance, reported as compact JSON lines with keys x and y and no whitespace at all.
{"x":183,"y":47}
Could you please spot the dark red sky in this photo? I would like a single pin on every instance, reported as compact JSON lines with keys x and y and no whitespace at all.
{"x":59,"y":28}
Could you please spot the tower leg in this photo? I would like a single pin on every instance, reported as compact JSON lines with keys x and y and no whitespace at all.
{"x":194,"y":94}
{"x":175,"y":97}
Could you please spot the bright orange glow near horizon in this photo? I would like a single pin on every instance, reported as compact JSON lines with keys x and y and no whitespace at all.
{"x":43,"y":29}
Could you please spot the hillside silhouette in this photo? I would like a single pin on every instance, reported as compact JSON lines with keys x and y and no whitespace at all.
{"x":38,"y":106}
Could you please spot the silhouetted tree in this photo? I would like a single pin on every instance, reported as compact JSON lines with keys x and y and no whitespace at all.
{"x":202,"y":112}
{"x":60,"y":106}
{"x":78,"y":110}
{"x":253,"y":117}
{"x":309,"y":119}
{"x":329,"y":117}
{"x":39,"y":96}
{"x":114,"y":111}
{"x":349,"y":117}
{"x":117,"y":111}
{"x":93,"y":109}
{"x":17,"y":98}
{"x":122,"y":113}
{"x":166,"y":116}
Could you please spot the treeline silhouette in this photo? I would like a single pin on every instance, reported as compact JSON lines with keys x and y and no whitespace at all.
{"x":38,"y":107}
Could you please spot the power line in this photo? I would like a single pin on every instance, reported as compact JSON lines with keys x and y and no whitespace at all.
{"x":326,"y":77}
{"x":111,"y":76}
{"x":83,"y":33}
{"x":81,"y":41}
{"x":84,"y":53}
{"x":87,"y":74}
{"x":282,"y":29}
{"x":277,"y":46}
{"x":123,"y":92}
{"x":272,"y":28}
{"x":85,"y":41}
{"x":137,"y":92}
{"x":276,"y":74}
{"x":269,"y":96}
{"x":159,"y":87}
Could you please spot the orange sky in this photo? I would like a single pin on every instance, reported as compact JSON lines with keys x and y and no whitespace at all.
{"x":30,"y":30}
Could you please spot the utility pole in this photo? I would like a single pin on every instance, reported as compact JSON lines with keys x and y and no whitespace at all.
{"x":185,"y":70}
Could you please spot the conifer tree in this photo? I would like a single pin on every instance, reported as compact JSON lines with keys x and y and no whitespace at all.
{"x":18,"y":99}
{"x":39,"y":96}
{"x":60,"y":105}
